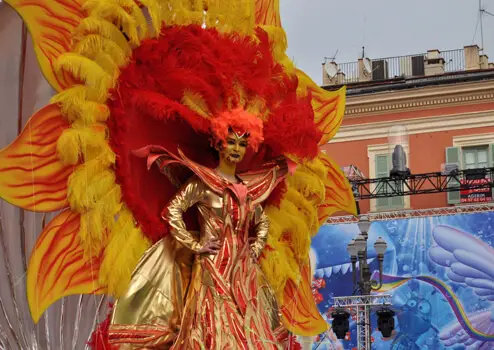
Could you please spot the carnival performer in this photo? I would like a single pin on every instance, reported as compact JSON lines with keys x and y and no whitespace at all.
{"x":228,"y":303}
{"x":182,"y":153}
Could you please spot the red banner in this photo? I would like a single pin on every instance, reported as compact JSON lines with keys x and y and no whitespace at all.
{"x":477,"y":195}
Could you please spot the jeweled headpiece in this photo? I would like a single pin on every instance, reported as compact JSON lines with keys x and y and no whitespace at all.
{"x":242,"y":123}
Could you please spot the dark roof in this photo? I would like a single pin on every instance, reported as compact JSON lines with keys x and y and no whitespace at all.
{"x":402,"y":83}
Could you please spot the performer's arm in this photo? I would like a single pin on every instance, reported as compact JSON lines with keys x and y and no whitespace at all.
{"x":262,"y":229}
{"x":186,"y":197}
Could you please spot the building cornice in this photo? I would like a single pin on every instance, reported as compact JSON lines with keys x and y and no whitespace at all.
{"x":420,"y":98}
{"x":473,"y":140}
{"x":414,"y":126}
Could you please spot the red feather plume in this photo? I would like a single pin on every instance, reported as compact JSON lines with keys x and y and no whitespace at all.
{"x":146,"y":109}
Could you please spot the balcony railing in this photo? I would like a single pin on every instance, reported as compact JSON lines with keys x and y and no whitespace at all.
{"x":402,"y":66}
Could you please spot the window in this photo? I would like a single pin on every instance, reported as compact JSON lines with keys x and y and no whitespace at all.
{"x":475,"y":157}
{"x":379,"y":166}
{"x":470,"y":152}
{"x":383,"y":167}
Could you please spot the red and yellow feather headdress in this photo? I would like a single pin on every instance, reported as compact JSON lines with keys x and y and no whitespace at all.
{"x":122,"y":81}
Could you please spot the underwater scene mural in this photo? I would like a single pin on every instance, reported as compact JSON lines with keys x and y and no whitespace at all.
{"x":439,"y":271}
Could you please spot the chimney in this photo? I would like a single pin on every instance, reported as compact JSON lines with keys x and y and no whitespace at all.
{"x":484,"y":62}
{"x":325,"y":79}
{"x":364,"y":69}
{"x":472,"y":57}
{"x":434,"y":63}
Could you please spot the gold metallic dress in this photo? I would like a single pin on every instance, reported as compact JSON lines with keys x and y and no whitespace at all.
{"x":179,"y":299}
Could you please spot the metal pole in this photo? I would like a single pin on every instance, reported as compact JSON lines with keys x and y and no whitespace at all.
{"x":367,"y":327}
{"x":481,"y":18}
{"x":360,"y":328}
{"x":366,"y":291}
{"x":363,"y":336}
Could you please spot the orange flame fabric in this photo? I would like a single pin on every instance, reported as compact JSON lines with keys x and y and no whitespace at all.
{"x":51,"y":27}
{"x":58,"y":267}
{"x":31,"y":175}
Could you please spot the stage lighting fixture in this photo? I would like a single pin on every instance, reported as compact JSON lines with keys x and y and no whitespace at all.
{"x":341,"y":324}
{"x":385,"y":322}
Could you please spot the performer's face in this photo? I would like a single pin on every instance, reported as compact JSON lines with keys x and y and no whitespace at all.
{"x":233,"y":151}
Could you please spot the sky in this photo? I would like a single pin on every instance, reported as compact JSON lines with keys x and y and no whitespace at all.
{"x":320,"y":28}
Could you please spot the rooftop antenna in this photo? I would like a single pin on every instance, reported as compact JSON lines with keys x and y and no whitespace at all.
{"x":363,"y":51}
{"x":331,"y":59}
{"x":482,"y":12}
{"x":481,"y":15}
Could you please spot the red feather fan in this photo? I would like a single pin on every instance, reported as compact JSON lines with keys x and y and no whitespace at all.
{"x":146,"y":109}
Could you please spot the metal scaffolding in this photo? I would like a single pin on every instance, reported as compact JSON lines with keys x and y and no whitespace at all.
{"x":361,"y":305}
{"x":407,"y":214}
{"x":414,"y":184}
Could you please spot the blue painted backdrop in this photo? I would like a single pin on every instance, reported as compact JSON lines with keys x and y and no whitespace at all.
{"x":457,"y":250}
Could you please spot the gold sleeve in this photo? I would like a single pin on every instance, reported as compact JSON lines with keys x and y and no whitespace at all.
{"x":190,"y":194}
{"x":262,"y":228}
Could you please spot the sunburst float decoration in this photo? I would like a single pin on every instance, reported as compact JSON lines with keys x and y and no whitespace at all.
{"x":123,"y":73}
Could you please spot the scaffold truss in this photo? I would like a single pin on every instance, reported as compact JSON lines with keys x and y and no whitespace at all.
{"x":408,"y":214}
{"x":362,"y":300}
{"x":423,"y":183}
{"x":360,"y":306}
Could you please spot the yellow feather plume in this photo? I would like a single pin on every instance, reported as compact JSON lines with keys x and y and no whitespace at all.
{"x":70,"y":144}
{"x":79,"y":143}
{"x":308,"y":185}
{"x":86,"y":70}
{"x":97,"y":149}
{"x":95,"y":222}
{"x":92,"y":233}
{"x":112,"y":11}
{"x":155,"y":12}
{"x":75,"y":105}
{"x":78,"y":93}
{"x":281,"y":264}
{"x":196,"y":103}
{"x":279,"y":44}
{"x":131,"y":7}
{"x":106,"y":62}
{"x":292,"y":225}
{"x":91,"y":45}
{"x":304,"y":207}
{"x":86,"y":190}
{"x":125,"y":247}
{"x":94,"y":25}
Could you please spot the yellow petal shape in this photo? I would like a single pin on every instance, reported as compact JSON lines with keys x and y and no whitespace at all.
{"x":51,"y":24}
{"x":58,"y":266}
{"x":268,"y":13}
{"x":31,"y":175}
{"x":339,"y":195}
{"x":329,"y":106}
{"x":300,"y":313}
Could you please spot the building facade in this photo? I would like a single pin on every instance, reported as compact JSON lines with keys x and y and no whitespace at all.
{"x":443,"y":100}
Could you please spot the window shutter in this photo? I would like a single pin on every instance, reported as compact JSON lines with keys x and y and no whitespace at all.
{"x":382,"y":170}
{"x":453,"y":156}
{"x":398,"y":202}
{"x":491,"y":155}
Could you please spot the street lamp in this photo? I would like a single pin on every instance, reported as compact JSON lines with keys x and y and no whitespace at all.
{"x":380,"y":247}
{"x":353,"y":251}
{"x":357,"y":249}
{"x":364,"y":225}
